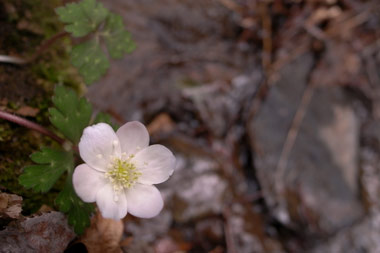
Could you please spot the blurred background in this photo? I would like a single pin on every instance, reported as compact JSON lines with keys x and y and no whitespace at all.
{"x":272,"y":109}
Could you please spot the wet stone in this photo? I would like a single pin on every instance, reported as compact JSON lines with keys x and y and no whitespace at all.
{"x":363,"y":237}
{"x":48,"y":232}
{"x":200,"y":197}
{"x":193,"y":192}
{"x":193,"y":52}
{"x":196,"y":189}
{"x":325,"y":153}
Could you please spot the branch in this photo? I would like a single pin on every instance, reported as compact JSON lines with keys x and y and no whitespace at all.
{"x":30,"y":125}
{"x":41,"y":49}
{"x":292,"y":134}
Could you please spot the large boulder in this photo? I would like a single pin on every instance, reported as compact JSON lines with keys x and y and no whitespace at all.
{"x":320,"y":185}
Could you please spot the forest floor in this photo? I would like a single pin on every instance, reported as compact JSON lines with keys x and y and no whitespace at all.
{"x":271,"y":108}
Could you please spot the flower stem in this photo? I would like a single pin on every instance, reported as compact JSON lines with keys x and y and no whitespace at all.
{"x":30,"y":125}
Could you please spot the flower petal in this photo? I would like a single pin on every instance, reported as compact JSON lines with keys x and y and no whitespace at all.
{"x":98,"y":144}
{"x":108,"y":207}
{"x":144,"y":201}
{"x":133,"y":137}
{"x":156,"y":164}
{"x":87,"y":181}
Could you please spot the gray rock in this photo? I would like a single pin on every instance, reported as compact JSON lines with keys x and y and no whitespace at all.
{"x":363,"y":237}
{"x":48,"y":232}
{"x":200,"y":197}
{"x":246,"y":232}
{"x":320,"y":178}
{"x":220,"y":112}
{"x":148,"y":231}
{"x":195,"y":189}
{"x":168,"y":57}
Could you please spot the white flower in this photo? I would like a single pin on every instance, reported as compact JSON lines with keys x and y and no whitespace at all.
{"x":120,"y":170}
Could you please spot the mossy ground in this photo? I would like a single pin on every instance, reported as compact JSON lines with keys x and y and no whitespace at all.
{"x":24,"y":24}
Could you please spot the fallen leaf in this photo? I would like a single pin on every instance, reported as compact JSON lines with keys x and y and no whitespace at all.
{"x":27,"y":111}
{"x":26,"y":25}
{"x":161,"y":124}
{"x":45,"y":208}
{"x":10,"y":205}
{"x":104,"y":235}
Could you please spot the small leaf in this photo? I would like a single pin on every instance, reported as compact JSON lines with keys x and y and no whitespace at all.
{"x":83,"y":17}
{"x":51,"y":164}
{"x":71,"y":114}
{"x":118,"y":40}
{"x":102,"y":117}
{"x":77,"y":211}
{"x":90,"y":60}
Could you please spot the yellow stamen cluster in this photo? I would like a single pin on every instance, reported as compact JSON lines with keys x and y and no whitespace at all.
{"x":122,"y":173}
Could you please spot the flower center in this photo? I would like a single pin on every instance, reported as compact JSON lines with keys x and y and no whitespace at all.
{"x":122,"y":173}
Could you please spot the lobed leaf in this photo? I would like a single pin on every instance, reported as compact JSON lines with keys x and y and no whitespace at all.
{"x":83,"y":17}
{"x":77,"y":211}
{"x":70,"y":114}
{"x":51,"y":163}
{"x":105,"y":118}
{"x":90,"y":60}
{"x":118,"y":40}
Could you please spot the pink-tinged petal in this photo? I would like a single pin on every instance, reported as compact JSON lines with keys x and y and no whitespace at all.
{"x":156,"y":163}
{"x":109,"y":208}
{"x":133,"y":137}
{"x":97,"y":146}
{"x":87,"y":182}
{"x":144,"y":201}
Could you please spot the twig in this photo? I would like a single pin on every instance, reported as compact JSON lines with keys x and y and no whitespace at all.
{"x":374,"y":81}
{"x":267,"y":36}
{"x":315,"y":32}
{"x":30,"y":125}
{"x":42,"y":48}
{"x":292,"y":134}
{"x":47,"y":44}
{"x":351,"y":20}
{"x":230,"y":242}
{"x":12,"y":59}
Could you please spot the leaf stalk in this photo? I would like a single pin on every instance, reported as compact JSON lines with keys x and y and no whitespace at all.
{"x":31,"y":125}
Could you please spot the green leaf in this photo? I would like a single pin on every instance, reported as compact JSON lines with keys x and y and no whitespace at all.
{"x":102,"y":117}
{"x":118,"y":40}
{"x":51,"y":163}
{"x":105,"y":118}
{"x":77,"y":211}
{"x":90,"y":60}
{"x":71,"y":114}
{"x":83,"y":17}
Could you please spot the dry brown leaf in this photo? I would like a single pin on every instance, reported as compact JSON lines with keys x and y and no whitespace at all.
{"x":126,"y":242}
{"x":10,"y":205}
{"x":27,"y":111}
{"x":161,"y":124}
{"x":103,"y":235}
{"x":44,"y":209}
{"x":26,"y":25}
{"x":3,"y":101}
